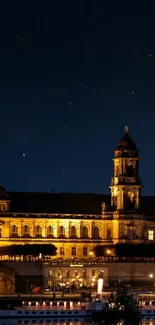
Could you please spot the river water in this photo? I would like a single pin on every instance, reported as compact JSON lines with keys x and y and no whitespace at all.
{"x":146,"y":321}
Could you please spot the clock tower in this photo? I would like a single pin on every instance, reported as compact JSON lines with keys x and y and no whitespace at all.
{"x":126,"y":183}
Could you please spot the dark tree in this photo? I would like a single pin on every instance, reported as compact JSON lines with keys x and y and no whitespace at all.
{"x":28,"y":250}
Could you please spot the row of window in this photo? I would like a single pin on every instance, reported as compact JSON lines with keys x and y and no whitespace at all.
{"x":73,"y":251}
{"x":76,"y":273}
{"x":61,"y":232}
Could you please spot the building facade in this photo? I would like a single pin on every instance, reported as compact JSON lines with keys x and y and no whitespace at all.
{"x":80,"y":275}
{"x":76,"y":223}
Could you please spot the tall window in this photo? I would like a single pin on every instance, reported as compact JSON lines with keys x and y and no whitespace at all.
{"x":96,"y":232}
{"x":85,"y":251}
{"x":73,"y":232}
{"x":14,"y":231}
{"x":61,"y":232}
{"x":50,"y":231}
{"x":38,"y":231}
{"x":84,"y":232}
{"x":73,"y":251}
{"x":62,"y":251}
{"x":84,"y":274}
{"x":26,"y":230}
{"x":93,"y":272}
{"x":151,"y":235}
{"x":59,"y":273}
{"x":109,"y":234}
{"x":67,"y":273}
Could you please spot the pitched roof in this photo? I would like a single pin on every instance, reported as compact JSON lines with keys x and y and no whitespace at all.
{"x":67,"y":203}
{"x":148,"y":205}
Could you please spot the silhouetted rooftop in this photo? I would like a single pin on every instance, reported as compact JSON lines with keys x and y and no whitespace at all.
{"x":68,"y":203}
{"x":126,"y":143}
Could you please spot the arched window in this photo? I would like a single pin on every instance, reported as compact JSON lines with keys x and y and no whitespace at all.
{"x":84,"y":232}
{"x":96,"y":232}
{"x":73,"y":232}
{"x":26,"y":231}
{"x":14,"y":231}
{"x":50,"y":232}
{"x":61,"y":232}
{"x":38,"y":231}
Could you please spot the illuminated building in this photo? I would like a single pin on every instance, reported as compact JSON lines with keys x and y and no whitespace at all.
{"x":76,"y":223}
{"x":80,"y":274}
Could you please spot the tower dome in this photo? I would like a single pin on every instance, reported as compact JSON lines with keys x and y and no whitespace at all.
{"x":126,"y":142}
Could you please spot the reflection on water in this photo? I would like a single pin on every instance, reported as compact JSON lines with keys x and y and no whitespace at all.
{"x":147,"y":321}
{"x":61,"y":321}
{"x":41,"y":321}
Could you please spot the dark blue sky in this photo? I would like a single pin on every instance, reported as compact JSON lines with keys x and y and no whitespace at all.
{"x":72,"y":74}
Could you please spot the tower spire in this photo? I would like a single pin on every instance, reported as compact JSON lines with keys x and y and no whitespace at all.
{"x":126,"y":129}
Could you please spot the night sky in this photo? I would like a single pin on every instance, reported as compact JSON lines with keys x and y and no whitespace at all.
{"x":72,"y":75}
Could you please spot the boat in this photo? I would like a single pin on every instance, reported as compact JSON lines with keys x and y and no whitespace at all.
{"x":51,"y":309}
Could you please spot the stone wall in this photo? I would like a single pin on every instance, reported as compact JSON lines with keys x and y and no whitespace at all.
{"x":132,"y":272}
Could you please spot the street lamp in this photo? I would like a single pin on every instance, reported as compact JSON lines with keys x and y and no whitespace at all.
{"x":150,"y":275}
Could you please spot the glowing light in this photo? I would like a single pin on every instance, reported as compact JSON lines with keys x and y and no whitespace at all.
{"x":76,"y":265}
{"x":100,"y":285}
{"x":151,"y":275}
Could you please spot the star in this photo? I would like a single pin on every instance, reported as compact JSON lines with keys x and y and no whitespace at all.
{"x":150,"y":54}
{"x":24,"y":154}
{"x":70,"y":103}
{"x":133,"y":93}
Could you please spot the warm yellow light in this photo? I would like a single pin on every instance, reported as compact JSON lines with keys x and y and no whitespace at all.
{"x":76,"y":265}
{"x":99,"y":285}
{"x":108,"y":251}
{"x":91,"y":253}
{"x":151,"y":275}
